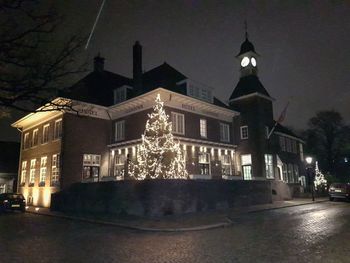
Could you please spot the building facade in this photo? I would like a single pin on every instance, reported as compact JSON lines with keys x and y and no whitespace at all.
{"x":98,"y":138}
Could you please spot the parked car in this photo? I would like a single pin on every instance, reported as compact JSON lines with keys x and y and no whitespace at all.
{"x":12,"y":201}
{"x":339,"y":191}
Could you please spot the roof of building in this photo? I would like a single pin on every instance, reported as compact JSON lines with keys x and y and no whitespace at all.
{"x":282,"y":129}
{"x":246,"y":46}
{"x":9,"y":156}
{"x":248,"y":85}
{"x":97,"y":87}
{"x":164,"y":76}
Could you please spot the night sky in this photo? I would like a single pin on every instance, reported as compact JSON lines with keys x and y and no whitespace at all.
{"x":304,"y":46}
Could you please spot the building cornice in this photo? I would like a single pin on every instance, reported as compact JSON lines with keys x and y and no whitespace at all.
{"x":290,"y":136}
{"x":173,"y":100}
{"x":252,"y":95}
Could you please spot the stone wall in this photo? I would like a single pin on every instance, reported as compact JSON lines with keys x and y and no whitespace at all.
{"x":154,"y":198}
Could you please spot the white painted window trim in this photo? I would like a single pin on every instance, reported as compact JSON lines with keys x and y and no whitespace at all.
{"x":57,"y":131}
{"x":43,"y":169}
{"x":46,"y":126}
{"x":242,"y":128}
{"x":203,"y":129}
{"x":175,"y":115}
{"x":119,"y":132}
{"x":223,"y":127}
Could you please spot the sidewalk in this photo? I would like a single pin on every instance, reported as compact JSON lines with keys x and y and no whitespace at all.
{"x":189,"y":222}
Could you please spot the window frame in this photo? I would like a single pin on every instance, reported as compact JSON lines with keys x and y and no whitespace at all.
{"x":23,"y":172}
{"x":55,"y":169}
{"x":45,"y":136}
{"x":57,"y":131}
{"x":204,"y":165}
{"x":43,"y":171}
{"x":26,"y":143}
{"x":203,"y":129}
{"x":91,"y":164}
{"x":32,"y":172}
{"x":223,"y":127}
{"x":269,"y":166}
{"x":35,"y":137}
{"x":242,"y":128}
{"x":175,"y":126}
{"x":119,"y":130}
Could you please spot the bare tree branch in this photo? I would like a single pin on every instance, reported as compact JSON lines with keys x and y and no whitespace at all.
{"x":33,"y":65}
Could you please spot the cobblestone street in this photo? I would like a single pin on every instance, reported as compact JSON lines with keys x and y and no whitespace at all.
{"x":310,"y":233}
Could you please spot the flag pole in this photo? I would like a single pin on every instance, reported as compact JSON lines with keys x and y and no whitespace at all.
{"x":280,"y":119}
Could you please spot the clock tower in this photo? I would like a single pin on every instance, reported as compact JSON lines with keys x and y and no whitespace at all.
{"x":248,"y":58}
{"x":254,"y":103}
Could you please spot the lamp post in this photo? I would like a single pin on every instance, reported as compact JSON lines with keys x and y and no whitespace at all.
{"x":310,"y":175}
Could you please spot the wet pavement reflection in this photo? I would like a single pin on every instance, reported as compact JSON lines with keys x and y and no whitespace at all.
{"x":309,"y":233}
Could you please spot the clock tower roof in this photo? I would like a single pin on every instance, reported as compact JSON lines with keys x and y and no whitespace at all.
{"x":249,"y":85}
{"x":246,"y":47}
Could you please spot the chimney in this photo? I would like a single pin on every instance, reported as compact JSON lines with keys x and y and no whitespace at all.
{"x":137,"y":67}
{"x":99,"y":63}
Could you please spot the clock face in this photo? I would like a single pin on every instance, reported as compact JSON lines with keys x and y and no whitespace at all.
{"x":253,"y":61}
{"x":245,"y":62}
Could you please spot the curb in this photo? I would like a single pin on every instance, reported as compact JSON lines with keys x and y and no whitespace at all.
{"x":101,"y":222}
{"x":281,"y":207}
{"x":181,"y":229}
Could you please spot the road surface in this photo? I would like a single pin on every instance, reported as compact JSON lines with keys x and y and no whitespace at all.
{"x":311,"y":233}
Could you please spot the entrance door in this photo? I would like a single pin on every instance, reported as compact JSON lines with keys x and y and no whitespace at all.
{"x":247,"y":172}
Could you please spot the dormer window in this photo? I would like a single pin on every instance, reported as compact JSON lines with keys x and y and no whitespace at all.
{"x":198,"y":90}
{"x":121,"y":94}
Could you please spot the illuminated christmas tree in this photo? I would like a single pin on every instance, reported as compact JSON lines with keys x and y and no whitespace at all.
{"x":158,"y":156}
{"x":319,"y":181}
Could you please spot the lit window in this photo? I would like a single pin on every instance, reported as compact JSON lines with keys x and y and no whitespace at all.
{"x":269,"y":166}
{"x":244,"y":132}
{"x":224,"y":132}
{"x":284,"y":172}
{"x":204,"y":160}
{"x":282,"y":141}
{"x":178,"y":123}
{"x":119,"y":130}
{"x":246,"y":161}
{"x":226,"y":165}
{"x":55,"y":169}
{"x":45,"y":137}
{"x":91,"y":166}
{"x":43,"y":171}
{"x":203,"y":127}
{"x":296,"y":173}
{"x":32,"y":172}
{"x":23,"y":172}
{"x":26,"y":141}
{"x":35,"y":137}
{"x":57,"y":129}
{"x":119,"y":165}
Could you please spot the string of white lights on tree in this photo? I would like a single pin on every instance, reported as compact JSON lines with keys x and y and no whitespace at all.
{"x":158,"y":155}
{"x":319,"y":181}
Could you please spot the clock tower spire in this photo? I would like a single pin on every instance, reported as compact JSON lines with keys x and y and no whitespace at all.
{"x":247,"y":56}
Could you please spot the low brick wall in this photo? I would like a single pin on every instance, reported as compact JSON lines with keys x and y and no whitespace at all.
{"x":155,"y":198}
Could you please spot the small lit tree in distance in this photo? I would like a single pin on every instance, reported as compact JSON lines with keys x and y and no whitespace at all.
{"x":158,"y":156}
{"x":320,"y":182}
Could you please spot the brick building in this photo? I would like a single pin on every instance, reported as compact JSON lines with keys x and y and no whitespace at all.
{"x":220,"y":141}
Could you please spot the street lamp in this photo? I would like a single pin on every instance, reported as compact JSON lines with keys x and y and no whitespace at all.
{"x":310,"y":175}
